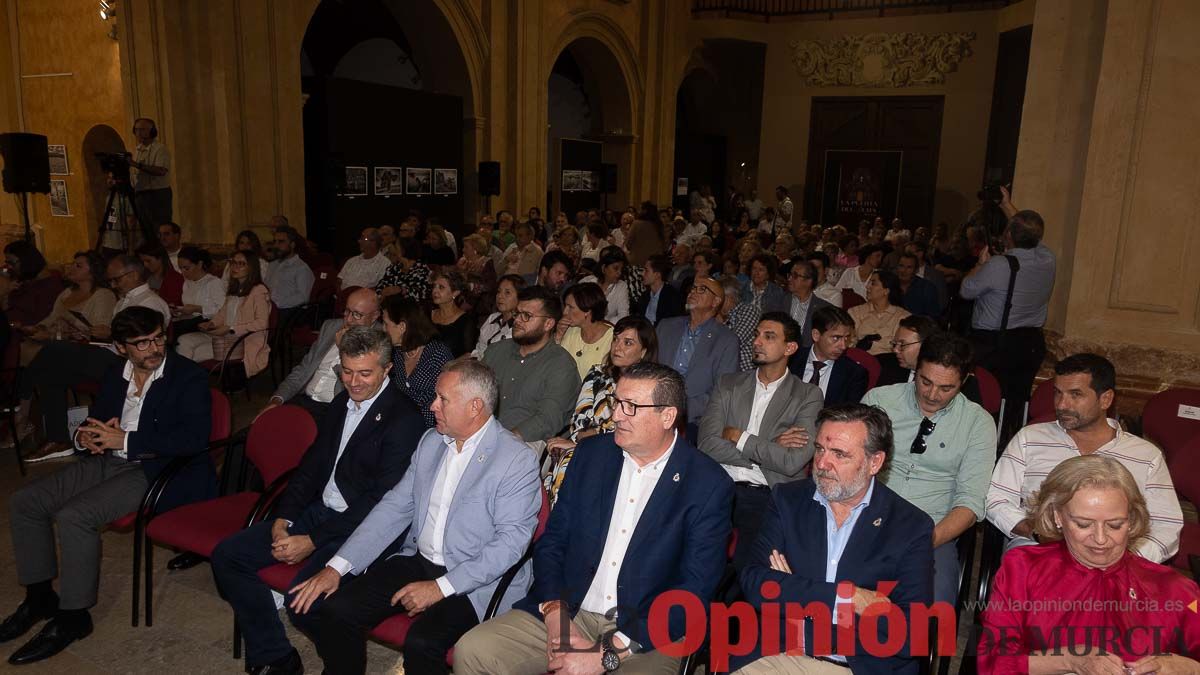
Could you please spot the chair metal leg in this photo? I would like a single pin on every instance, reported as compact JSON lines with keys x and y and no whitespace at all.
{"x":137,"y":568}
{"x":237,"y":639}
{"x":12,"y":426}
{"x":149,"y":583}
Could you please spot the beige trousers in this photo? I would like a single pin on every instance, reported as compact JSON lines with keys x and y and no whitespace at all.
{"x":515,"y":644}
{"x":782,"y":664}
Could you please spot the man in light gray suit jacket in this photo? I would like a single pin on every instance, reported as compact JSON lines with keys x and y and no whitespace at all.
{"x":758,"y":425}
{"x":314,"y":382}
{"x":467,"y":508}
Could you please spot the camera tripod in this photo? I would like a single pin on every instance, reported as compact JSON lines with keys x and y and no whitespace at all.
{"x":114,"y":214}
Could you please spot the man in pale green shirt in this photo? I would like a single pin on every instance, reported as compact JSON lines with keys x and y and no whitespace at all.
{"x":945,"y":448}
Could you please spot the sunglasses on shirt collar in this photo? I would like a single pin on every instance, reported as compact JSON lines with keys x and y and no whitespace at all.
{"x":918,"y":444}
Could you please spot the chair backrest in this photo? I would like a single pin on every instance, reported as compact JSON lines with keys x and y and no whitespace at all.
{"x":851,"y":299}
{"x":324,"y":284}
{"x":278,"y":439}
{"x":866,"y":360}
{"x":1181,"y":463}
{"x":1041,"y":404}
{"x":989,"y":390}
{"x":1163,"y":419}
{"x":222,"y":416}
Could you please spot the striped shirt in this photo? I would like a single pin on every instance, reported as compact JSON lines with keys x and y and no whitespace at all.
{"x":1038,"y":448}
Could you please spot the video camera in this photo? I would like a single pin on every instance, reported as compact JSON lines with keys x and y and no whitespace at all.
{"x":115,"y":163}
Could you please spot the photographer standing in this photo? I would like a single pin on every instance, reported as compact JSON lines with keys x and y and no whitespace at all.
{"x":152,"y":189}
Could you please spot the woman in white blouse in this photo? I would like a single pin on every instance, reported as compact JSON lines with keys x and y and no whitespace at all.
{"x":203,"y":293}
{"x":498,"y":326}
{"x":616,"y":291}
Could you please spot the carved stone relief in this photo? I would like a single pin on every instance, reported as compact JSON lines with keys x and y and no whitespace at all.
{"x":880,"y":59}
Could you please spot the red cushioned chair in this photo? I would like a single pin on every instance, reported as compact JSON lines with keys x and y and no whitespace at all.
{"x":989,"y":391}
{"x":218,"y":441}
{"x":10,"y":399}
{"x":866,"y":360}
{"x":1182,"y":465}
{"x":851,"y":299}
{"x":274,"y":445}
{"x":395,"y":628}
{"x":1162,"y":424}
{"x":304,"y":323}
{"x":1041,"y":403}
{"x":230,"y":371}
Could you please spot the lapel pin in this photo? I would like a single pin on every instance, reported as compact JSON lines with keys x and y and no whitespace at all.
{"x":878,"y":522}
{"x":378,"y":416}
{"x":675,"y":478}
{"x":480,"y":459}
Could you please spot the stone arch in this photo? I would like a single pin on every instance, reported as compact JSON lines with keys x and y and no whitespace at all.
{"x":100,"y":138}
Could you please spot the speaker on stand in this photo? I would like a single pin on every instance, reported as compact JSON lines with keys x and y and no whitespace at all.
{"x":26,"y":169}
{"x":489,"y":183}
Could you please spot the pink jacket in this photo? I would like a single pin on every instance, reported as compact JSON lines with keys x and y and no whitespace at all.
{"x":252,"y":317}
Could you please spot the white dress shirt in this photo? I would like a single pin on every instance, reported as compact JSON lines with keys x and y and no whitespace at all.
{"x":324,"y":382}
{"x":355,"y":412}
{"x":763,"y":393}
{"x":825,"y":370}
{"x":829,"y":293}
{"x":144,"y":296}
{"x":364,"y":272}
{"x":633,"y":493}
{"x":208,"y":293}
{"x":131,"y":410}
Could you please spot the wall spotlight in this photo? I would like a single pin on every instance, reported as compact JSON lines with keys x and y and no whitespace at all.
{"x":107,"y":10}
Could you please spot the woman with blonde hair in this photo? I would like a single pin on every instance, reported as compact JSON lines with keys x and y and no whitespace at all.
{"x":1082,"y":601}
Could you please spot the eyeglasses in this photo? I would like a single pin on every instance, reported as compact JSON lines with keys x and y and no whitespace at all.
{"x":701,"y":288}
{"x":631,"y":409}
{"x":797,"y":275}
{"x":918,"y":444}
{"x":113,"y":280}
{"x":144,"y":344}
{"x":526,"y":316}
{"x":355,"y":314}
{"x":896,"y":344}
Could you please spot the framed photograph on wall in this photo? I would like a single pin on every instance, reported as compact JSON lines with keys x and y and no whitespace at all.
{"x":58,"y":160}
{"x":389,"y":180}
{"x":417,"y":181}
{"x":58,"y":198}
{"x":445,"y":181}
{"x":356,"y":181}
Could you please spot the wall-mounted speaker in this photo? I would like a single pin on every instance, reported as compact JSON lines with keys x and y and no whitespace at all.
{"x":26,"y":163}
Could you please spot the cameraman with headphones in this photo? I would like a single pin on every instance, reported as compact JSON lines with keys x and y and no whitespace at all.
{"x":151,"y":187}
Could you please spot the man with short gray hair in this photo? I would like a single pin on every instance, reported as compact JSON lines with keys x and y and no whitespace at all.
{"x":444,"y":576}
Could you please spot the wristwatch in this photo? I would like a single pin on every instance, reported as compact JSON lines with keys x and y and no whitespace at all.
{"x":610,"y":661}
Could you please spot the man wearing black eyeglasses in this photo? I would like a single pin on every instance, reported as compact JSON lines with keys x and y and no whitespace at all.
{"x":945,"y":449}
{"x":153,"y":406}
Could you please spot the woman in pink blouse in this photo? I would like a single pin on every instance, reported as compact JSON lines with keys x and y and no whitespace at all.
{"x":1082,"y":601}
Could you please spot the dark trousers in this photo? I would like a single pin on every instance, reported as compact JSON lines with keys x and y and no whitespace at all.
{"x":346,"y":617}
{"x":156,"y":207}
{"x":235,"y":564}
{"x":314,"y":408}
{"x":1014,"y":361}
{"x":749,"y":508}
{"x":58,"y":366}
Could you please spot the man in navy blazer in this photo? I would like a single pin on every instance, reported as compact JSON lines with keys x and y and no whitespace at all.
{"x":641,"y":512}
{"x":698,"y":346}
{"x":845,"y":541}
{"x":153,"y":407}
{"x":363,"y":446}
{"x":469,"y":502}
{"x":825,"y":364}
{"x":666,"y":299}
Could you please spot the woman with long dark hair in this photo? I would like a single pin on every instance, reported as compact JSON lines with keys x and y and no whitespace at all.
{"x":454,"y":324}
{"x":418,"y":356}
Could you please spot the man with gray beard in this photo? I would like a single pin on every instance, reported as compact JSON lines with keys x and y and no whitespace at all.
{"x":838,"y":544}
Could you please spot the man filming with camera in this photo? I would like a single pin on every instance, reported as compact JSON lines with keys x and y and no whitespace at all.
{"x":151,"y":162}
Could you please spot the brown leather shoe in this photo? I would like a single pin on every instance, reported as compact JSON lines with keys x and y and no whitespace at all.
{"x":50,"y":450}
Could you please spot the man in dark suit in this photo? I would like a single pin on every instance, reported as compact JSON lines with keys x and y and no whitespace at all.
{"x":920,"y":296}
{"x":839,"y":540}
{"x":825,"y":364}
{"x":660,"y":300}
{"x":362,"y":450}
{"x":153,"y":407}
{"x":641,"y":512}
{"x":803,"y":303}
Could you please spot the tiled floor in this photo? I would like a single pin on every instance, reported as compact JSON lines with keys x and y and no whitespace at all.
{"x":192,"y":632}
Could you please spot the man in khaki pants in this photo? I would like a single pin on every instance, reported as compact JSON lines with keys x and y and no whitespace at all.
{"x":641,"y":511}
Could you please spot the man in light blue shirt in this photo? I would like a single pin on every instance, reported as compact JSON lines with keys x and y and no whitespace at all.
{"x":289,"y":278}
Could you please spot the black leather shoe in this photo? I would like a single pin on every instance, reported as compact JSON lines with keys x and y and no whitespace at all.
{"x":22,"y":620}
{"x":54,"y":637}
{"x":185,"y":561}
{"x":288,"y":665}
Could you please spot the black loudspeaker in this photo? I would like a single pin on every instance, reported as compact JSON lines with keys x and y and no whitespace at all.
{"x":489,"y":178}
{"x":608,"y":178}
{"x":26,"y":163}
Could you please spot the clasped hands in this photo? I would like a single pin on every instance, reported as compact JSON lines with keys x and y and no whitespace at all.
{"x":99,"y":436}
{"x":289,"y":548}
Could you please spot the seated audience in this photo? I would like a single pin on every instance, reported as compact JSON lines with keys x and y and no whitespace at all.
{"x":312,"y":384}
{"x":596,"y":238}
{"x":633,"y":342}
{"x":919,"y":296}
{"x":825,"y":364}
{"x":439,"y":251}
{"x":554,"y":271}
{"x":586,"y":565}
{"x":477,"y":266}
{"x":660,"y":300}
{"x":33,"y":288}
{"x":128,"y":438}
{"x":203,"y":294}
{"x":945,"y":450}
{"x":612,"y":266}
{"x":406,"y":275}
{"x":498,"y":326}
{"x":362,"y":450}
{"x":762,"y":289}
{"x":170,"y":237}
{"x":1048,"y":607}
{"x":523,"y":254}
{"x":246,"y":311}
{"x":62,"y":364}
{"x":681,"y":266}
{"x":856,"y":276}
{"x":289,"y":278}
{"x":86,"y":302}
{"x":162,"y":277}
{"x":844,"y":526}
{"x":506,"y":232}
{"x":758,"y":426}
{"x":1084,"y":387}
{"x":877,"y":318}
{"x":538,"y":379}
{"x":698,"y":347}
{"x":455,"y":326}
{"x":366,"y":269}
{"x":418,"y":355}
{"x":247,"y":240}
{"x":444,"y":574}
{"x":804,"y":302}
{"x":928,"y":272}
{"x":582,"y":331}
